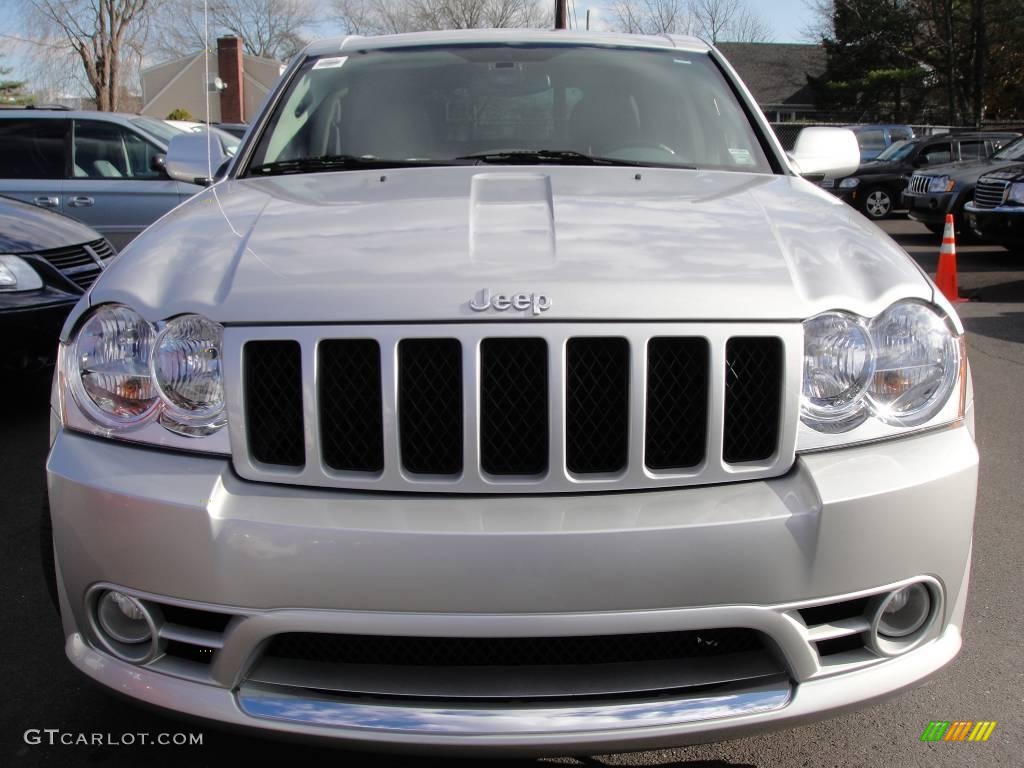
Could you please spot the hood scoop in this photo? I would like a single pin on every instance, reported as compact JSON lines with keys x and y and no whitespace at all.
{"x":511,"y":219}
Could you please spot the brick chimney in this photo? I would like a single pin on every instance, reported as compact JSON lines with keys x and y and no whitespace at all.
{"x":230,"y":69}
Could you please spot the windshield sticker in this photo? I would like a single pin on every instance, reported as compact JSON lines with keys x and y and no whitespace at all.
{"x":741,"y":156}
{"x":331,"y":63}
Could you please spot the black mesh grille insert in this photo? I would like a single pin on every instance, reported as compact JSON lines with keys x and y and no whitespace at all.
{"x":677,"y":402}
{"x":430,"y":405}
{"x":514,"y":406}
{"x":511,"y":651}
{"x":351,"y":432}
{"x":597,"y":404}
{"x":753,"y":398}
{"x":273,"y":402}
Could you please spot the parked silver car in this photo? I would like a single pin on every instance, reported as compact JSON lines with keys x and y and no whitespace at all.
{"x":104,"y":169}
{"x":513,"y":393}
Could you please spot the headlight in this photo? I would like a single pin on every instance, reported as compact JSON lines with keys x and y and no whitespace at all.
{"x":156,"y":383}
{"x":849,"y":183}
{"x":16,"y":274}
{"x":894,"y":371}
{"x":110,"y":377}
{"x":1016,"y":193}
{"x":941,"y":184}
{"x":918,"y":363}
{"x":838,"y":364}
{"x":187,"y":371}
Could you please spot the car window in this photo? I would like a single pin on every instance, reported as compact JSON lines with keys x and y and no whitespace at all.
{"x":108,"y":151}
{"x":443,"y":103}
{"x":872,"y":139}
{"x":1013,"y":151}
{"x":32,"y":149}
{"x":972,"y":150}
{"x":937,"y":154}
{"x":898,"y":151}
{"x":899,"y":134}
{"x":157,"y":128}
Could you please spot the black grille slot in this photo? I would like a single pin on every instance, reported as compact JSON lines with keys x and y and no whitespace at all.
{"x":273,"y":402}
{"x":597,"y":405}
{"x":430,"y":405}
{"x":514,"y":406}
{"x":677,"y":402}
{"x":753,"y":398}
{"x":511,"y":651}
{"x":351,"y":431}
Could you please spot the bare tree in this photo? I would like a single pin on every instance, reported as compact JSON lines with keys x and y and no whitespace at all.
{"x":106,"y":37}
{"x":652,"y":17}
{"x":392,"y":16}
{"x":273,"y":29}
{"x":718,"y":20}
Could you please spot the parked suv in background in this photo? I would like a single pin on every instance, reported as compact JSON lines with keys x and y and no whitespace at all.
{"x":943,"y":189}
{"x":104,"y":169}
{"x":876,"y":187}
{"x":512,"y":392}
{"x":874,"y":139}
{"x":996,"y":213}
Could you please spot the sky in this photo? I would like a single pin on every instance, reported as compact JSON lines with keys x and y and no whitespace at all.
{"x":787,"y":19}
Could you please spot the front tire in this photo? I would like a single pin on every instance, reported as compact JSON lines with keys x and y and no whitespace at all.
{"x":877,"y":203}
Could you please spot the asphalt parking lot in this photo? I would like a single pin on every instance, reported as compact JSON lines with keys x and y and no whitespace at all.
{"x":986,"y":682}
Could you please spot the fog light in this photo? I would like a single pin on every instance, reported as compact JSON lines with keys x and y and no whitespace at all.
{"x":905,"y":611}
{"x":123,"y":618}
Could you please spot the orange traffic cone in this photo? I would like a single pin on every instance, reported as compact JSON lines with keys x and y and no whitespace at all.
{"x":945,"y":275}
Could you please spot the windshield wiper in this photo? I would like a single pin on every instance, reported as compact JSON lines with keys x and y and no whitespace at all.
{"x":557,"y":156}
{"x":336,"y":163}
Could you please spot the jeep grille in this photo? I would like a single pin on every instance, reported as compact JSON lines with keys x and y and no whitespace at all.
{"x":487,"y":408}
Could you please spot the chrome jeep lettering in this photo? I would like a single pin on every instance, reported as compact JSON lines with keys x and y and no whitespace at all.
{"x":534,"y":302}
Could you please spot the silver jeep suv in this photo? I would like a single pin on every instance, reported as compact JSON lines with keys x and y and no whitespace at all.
{"x":513,"y":392}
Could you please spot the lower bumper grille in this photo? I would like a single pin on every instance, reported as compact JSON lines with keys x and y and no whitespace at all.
{"x":515,"y":668}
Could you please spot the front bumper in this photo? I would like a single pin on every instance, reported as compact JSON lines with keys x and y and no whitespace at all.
{"x":928,"y":208}
{"x":30,"y":324}
{"x":184,"y":529}
{"x":1003,"y":225}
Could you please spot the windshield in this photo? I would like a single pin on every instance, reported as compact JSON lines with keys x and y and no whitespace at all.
{"x":158,"y":129}
{"x":481,"y":103}
{"x":897,"y":151}
{"x":1014,"y":151}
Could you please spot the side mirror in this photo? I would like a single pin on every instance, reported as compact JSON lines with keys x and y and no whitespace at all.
{"x":192,"y":156}
{"x":826,"y":151}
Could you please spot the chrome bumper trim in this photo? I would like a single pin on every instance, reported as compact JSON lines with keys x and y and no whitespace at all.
{"x":445,"y":718}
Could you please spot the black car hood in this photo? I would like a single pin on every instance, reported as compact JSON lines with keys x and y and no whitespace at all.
{"x":25,"y":228}
{"x":879,"y":167}
{"x":1009,"y":173}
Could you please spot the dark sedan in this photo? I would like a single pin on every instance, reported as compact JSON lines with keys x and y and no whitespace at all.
{"x":996,"y":213}
{"x":876,"y":187}
{"x":943,"y":189}
{"x":47,"y":261}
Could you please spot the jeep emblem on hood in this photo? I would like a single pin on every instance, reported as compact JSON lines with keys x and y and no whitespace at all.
{"x":536,"y":302}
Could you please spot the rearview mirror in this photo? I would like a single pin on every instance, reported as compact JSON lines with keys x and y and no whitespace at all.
{"x":192,"y":156}
{"x":828,"y":151}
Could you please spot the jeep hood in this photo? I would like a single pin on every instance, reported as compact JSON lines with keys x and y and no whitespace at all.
{"x":602,"y":243}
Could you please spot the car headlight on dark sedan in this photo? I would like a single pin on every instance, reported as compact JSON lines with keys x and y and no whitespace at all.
{"x":850,"y":183}
{"x":146,"y":382}
{"x":1016,"y":193}
{"x":16,"y":274}
{"x":868,"y":378}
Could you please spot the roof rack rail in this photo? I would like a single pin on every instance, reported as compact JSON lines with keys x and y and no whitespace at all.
{"x":55,"y":107}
